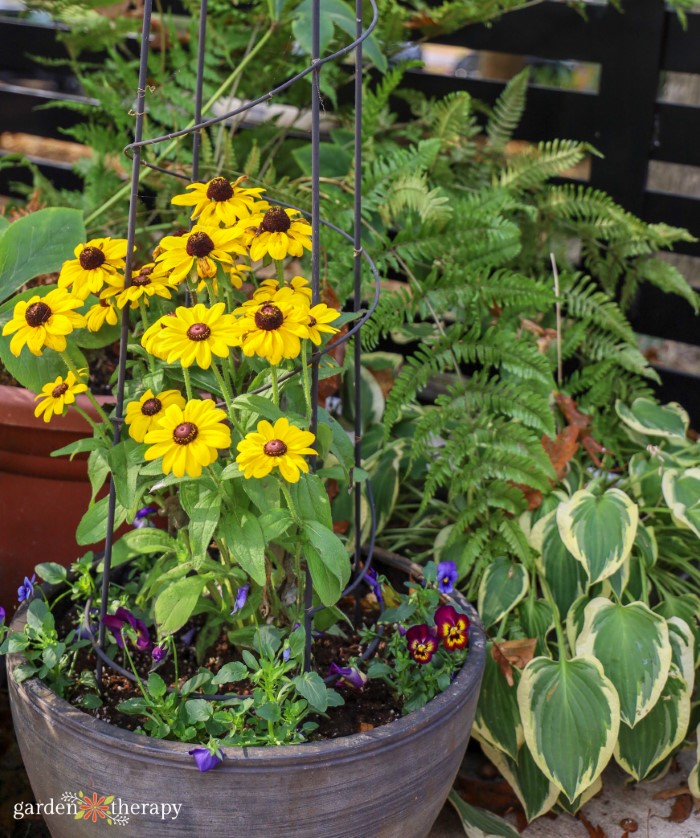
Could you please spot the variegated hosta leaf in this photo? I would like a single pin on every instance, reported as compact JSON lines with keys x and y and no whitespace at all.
{"x":687,"y":607}
{"x":480,"y":823}
{"x":683,"y":646}
{"x":646,"y":546}
{"x":502,"y":587}
{"x":565,"y":576}
{"x":497,"y":718}
{"x":575,"y":619}
{"x":632,"y":644}
{"x":537,"y":620}
{"x":571,"y":717}
{"x":694,"y":776}
{"x":641,"y":748}
{"x":617,"y":583}
{"x":648,"y":418}
{"x":598,"y":530}
{"x":645,"y":479}
{"x":574,"y":805}
{"x":681,"y":491}
{"x":535,"y":791}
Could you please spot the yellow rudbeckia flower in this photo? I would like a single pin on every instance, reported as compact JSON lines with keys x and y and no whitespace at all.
{"x":319,"y":318}
{"x":276,"y":232}
{"x":220,"y":201}
{"x":95,"y":262}
{"x":297,"y":292}
{"x":145,"y":283}
{"x":104,"y":311}
{"x":188,"y":438}
{"x":57,"y":395}
{"x":281,"y":446}
{"x":272,"y":330}
{"x":144,"y":415}
{"x":201,"y":246}
{"x":44,"y":321}
{"x":194,"y":334}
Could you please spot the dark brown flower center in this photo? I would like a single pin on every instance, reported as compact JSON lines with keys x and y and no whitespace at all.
{"x":276,"y":220}
{"x":312,"y":321}
{"x":185,"y":433}
{"x":199,"y":245}
{"x":219,"y":190}
{"x":37,"y":314}
{"x":59,"y":390}
{"x":91,"y":258}
{"x":198,"y":331}
{"x":143,"y":278}
{"x":105,"y":303}
{"x":275,"y":448}
{"x":269,"y":317}
{"x":151,"y":406}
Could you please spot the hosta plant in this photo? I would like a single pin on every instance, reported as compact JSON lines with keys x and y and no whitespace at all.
{"x":218,"y":438}
{"x":595,"y":637}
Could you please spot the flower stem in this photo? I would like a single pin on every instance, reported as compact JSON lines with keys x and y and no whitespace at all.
{"x":78,"y":377}
{"x":97,"y":428}
{"x":279,"y":265}
{"x":225,"y":391}
{"x":144,"y":323}
{"x":290,"y":503}
{"x":306,"y":383}
{"x":188,"y":383}
{"x":275,"y":386}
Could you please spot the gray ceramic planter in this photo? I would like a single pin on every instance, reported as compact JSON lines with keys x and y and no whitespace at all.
{"x":388,"y":783}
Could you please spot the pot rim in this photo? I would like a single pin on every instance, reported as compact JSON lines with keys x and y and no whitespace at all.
{"x":111,"y":738}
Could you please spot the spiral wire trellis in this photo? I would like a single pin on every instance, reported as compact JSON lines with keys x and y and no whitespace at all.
{"x":133,"y":150}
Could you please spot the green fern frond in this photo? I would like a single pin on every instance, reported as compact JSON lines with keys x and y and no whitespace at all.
{"x":535,"y":166}
{"x":507,"y":111}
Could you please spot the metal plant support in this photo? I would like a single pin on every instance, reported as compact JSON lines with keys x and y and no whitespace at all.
{"x":362,"y":555}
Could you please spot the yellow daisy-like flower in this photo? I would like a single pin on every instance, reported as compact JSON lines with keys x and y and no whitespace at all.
{"x":221,"y":201}
{"x":201,"y":246}
{"x":103,"y":311}
{"x":297,"y":292}
{"x":57,"y":395}
{"x":319,"y":318}
{"x":145,"y":414}
{"x":281,"y":446}
{"x":149,"y":339}
{"x":276,"y":232}
{"x":188,"y":438}
{"x":44,"y":321}
{"x":147,"y":282}
{"x":272,"y":330}
{"x":95,"y":262}
{"x":194,"y":334}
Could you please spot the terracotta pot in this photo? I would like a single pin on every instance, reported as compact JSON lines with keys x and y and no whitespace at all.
{"x":42,"y":498}
{"x":390,"y":782}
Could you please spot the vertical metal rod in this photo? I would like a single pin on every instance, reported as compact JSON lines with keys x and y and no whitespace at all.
{"x":357,"y":301}
{"x":315,"y":272}
{"x":201,"y":46}
{"x":131,"y":235}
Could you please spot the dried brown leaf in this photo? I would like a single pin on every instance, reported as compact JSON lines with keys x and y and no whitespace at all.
{"x":682,"y":809}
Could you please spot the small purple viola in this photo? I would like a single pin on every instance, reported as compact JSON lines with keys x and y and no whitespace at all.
{"x":159,"y":654}
{"x":116,"y":622}
{"x":348,"y":675}
{"x":447,"y":577}
{"x":241,"y":597}
{"x":26,"y":590}
{"x":286,"y":654}
{"x":188,"y":636}
{"x":205,"y":759}
{"x":373,"y":582}
{"x":3,"y":614}
{"x":141,"y":519}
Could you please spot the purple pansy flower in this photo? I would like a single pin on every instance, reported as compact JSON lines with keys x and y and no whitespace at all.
{"x":447,"y":577}
{"x":26,"y":590}
{"x":422,"y":643}
{"x":159,"y":653}
{"x":2,"y":614}
{"x":116,"y":622}
{"x":241,"y":598}
{"x":141,"y":517}
{"x":373,"y":582}
{"x":349,"y":675}
{"x":286,"y":655}
{"x":205,"y":759}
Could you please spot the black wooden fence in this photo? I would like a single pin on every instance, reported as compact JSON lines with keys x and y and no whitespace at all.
{"x":624,"y":119}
